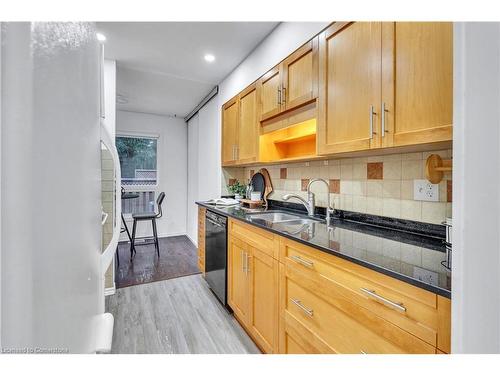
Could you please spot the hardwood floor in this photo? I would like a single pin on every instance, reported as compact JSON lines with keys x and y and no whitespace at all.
{"x":176,"y":316}
{"x":178,"y":257}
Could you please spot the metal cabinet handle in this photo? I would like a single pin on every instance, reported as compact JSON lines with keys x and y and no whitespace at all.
{"x":395,"y":305}
{"x":372,"y":112}
{"x":383,"y":111}
{"x":283,"y":95}
{"x":279,"y":96}
{"x":242,"y":261}
{"x":363,"y":352}
{"x":248,"y":264}
{"x":304,"y":262}
{"x":309,"y":312}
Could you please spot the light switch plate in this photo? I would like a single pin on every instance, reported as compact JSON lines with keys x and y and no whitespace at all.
{"x":423,"y":190}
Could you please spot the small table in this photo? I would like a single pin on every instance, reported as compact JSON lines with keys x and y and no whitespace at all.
{"x":125,"y":228}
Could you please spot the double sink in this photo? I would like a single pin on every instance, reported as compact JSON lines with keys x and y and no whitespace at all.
{"x":283,"y":221}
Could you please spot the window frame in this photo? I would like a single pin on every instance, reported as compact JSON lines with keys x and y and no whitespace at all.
{"x":140,"y":188}
{"x":143,"y":188}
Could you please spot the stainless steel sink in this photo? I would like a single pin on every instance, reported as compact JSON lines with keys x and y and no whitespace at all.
{"x":281,"y":217}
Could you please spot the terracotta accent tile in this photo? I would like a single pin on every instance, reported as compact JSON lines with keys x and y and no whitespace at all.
{"x":334,"y":245}
{"x":449,"y":188}
{"x":283,"y":173}
{"x":305,"y":236}
{"x":335,"y":186}
{"x":304,"y":182}
{"x":252,"y":172}
{"x":375,"y":171}
{"x":232,"y":181}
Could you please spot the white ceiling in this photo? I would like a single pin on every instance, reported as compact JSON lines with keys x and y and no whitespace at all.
{"x":161,"y":67}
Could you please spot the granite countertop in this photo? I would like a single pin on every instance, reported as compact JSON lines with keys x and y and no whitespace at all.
{"x":395,"y":248}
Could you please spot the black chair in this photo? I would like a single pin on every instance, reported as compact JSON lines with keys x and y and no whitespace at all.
{"x":147,"y":216}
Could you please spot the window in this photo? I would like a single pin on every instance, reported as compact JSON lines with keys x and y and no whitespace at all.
{"x":137,"y":160}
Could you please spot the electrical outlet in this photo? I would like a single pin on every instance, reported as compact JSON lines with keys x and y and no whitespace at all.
{"x":423,"y":190}
{"x":426,"y":276}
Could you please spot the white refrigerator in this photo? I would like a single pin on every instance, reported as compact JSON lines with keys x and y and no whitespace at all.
{"x":56,"y":241}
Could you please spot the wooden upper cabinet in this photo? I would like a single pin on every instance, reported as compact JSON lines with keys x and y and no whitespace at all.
{"x":248,"y":128}
{"x":292,"y":83}
{"x":300,"y":76}
{"x":417,"y":89}
{"x":270,"y":93}
{"x":230,"y":131}
{"x":349,"y":66}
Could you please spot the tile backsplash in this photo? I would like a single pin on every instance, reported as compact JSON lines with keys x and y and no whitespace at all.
{"x":377,"y":185}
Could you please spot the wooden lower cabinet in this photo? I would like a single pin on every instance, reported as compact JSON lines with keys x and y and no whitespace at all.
{"x":201,"y":239}
{"x":238,"y":280}
{"x":340,"y":326}
{"x":253,"y":291}
{"x":297,"y":299}
{"x":263,"y":306}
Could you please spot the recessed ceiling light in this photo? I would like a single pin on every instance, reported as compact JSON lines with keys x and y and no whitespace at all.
{"x":100,"y":37}
{"x":209,"y":57}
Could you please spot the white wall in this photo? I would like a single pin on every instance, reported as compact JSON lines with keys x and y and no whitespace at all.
{"x":476,"y":204}
{"x":172,"y":167}
{"x":110,"y":96}
{"x":284,"y":39}
{"x":193,"y":178}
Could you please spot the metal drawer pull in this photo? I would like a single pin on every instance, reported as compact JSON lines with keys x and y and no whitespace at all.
{"x":309,"y":312}
{"x":395,"y":305}
{"x":283,"y":94}
{"x":304,"y":262}
{"x":248,"y":264}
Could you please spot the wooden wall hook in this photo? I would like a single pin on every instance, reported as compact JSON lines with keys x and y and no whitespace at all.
{"x":435,"y":168}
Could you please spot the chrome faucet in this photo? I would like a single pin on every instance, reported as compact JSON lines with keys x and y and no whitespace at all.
{"x":310,"y":204}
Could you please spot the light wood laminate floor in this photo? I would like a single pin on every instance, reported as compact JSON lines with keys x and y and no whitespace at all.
{"x":175,"y":316}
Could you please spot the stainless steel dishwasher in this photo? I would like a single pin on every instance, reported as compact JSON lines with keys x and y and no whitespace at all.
{"x":216,"y":254}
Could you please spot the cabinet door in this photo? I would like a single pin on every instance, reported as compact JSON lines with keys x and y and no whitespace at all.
{"x":300,"y":76}
{"x":350,"y":63}
{"x":417,"y":89}
{"x":238,"y":285}
{"x":201,"y":239}
{"x":229,"y":131}
{"x":248,"y":134}
{"x":270,"y":93}
{"x":263,"y":317}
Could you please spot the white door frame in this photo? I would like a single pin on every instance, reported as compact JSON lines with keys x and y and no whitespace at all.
{"x":476,"y":189}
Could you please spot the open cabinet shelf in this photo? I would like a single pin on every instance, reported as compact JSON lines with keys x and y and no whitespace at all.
{"x":289,"y":143}
{"x":296,"y":138}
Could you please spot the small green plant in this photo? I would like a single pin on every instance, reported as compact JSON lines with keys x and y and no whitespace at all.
{"x":237,"y":188}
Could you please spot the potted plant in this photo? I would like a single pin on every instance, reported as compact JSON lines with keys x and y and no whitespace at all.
{"x":237,"y":189}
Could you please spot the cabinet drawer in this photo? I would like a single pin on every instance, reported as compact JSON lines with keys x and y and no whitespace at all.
{"x":347,"y":284}
{"x":298,"y":339}
{"x":261,"y":239}
{"x":345,"y":328}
